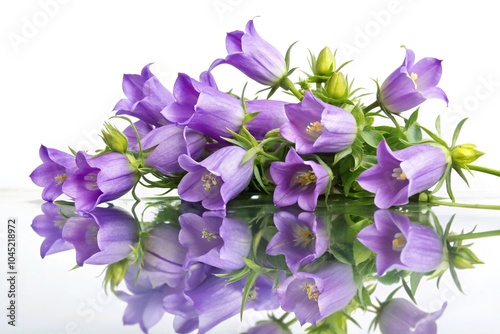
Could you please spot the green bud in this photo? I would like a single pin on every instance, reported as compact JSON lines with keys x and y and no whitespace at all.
{"x":115,"y":273}
{"x":464,"y":258}
{"x":115,"y":140}
{"x":462,"y":155}
{"x":336,"y":86}
{"x":325,"y":63}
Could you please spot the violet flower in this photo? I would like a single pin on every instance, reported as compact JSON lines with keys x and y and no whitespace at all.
{"x":315,"y":126}
{"x":146,"y":97}
{"x":142,"y":128}
{"x":253,"y":56}
{"x":217,"y":179}
{"x":268,"y":327}
{"x":401,"y":244}
{"x":99,"y":179}
{"x":401,"y":316}
{"x":169,"y":142}
{"x":314,"y":295}
{"x":411,"y":84}
{"x":271,"y":116}
{"x":103,"y":236}
{"x":298,"y":181}
{"x":301,"y":238}
{"x":53,"y":172}
{"x":401,"y":174}
{"x":204,"y":108}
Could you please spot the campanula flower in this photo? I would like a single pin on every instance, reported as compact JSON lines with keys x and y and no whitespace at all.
{"x":271,"y":116}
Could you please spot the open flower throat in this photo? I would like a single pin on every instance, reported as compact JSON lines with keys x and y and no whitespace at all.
{"x":305,"y":178}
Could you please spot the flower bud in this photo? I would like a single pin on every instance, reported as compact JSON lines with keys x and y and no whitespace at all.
{"x":115,"y":140}
{"x":464,"y":258}
{"x":465,"y":154}
{"x":115,"y":273}
{"x":336,"y":86}
{"x":325,"y":63}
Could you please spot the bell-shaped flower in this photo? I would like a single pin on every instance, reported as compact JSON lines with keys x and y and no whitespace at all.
{"x":253,"y":56}
{"x":315,"y":126}
{"x":142,"y":128}
{"x":268,"y":327}
{"x":401,"y":174}
{"x":402,"y":316}
{"x":301,"y":238}
{"x":271,"y":116}
{"x":99,"y":179}
{"x":298,"y":181}
{"x":313,"y":295}
{"x":145,"y":97}
{"x":411,"y":84}
{"x":217,"y":179}
{"x":401,"y":244}
{"x":103,"y":236}
{"x":52,"y":173}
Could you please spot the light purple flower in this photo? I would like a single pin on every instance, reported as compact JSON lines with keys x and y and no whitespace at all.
{"x":53,"y":172}
{"x":411,"y":84}
{"x":217,"y":179}
{"x":169,"y":142}
{"x":315,"y":126}
{"x":268,"y":327}
{"x":401,"y":316}
{"x":204,"y":108}
{"x":401,"y":244}
{"x":316,"y":294}
{"x":146,"y":97}
{"x":298,"y":181}
{"x":142,"y":128}
{"x":301,"y":238}
{"x":253,"y":56}
{"x":100,"y":179}
{"x":401,"y":174}
{"x":271,"y":116}
{"x":103,"y":236}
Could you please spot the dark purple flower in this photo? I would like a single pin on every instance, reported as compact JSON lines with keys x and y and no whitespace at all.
{"x":401,"y":174}
{"x":401,"y":244}
{"x":401,"y":316}
{"x":53,"y":172}
{"x":253,"y":56}
{"x":100,"y":179}
{"x":217,"y":179}
{"x":103,"y":236}
{"x":169,"y":142}
{"x":411,"y":84}
{"x":271,"y":116}
{"x":204,"y":108}
{"x":215,"y":240}
{"x":315,"y":126}
{"x":142,"y":128}
{"x":146,"y":97}
{"x":301,"y":238}
{"x":316,"y":294}
{"x":298,"y":181}
{"x":50,"y":225}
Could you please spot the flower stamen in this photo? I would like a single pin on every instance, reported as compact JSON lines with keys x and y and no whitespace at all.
{"x":303,"y":236}
{"x":312,"y":291}
{"x":314,"y":127}
{"x":398,"y":174}
{"x":209,"y":181}
{"x":90,"y":182}
{"x":207,"y":235}
{"x":60,"y":178}
{"x":413,"y":76}
{"x":305,"y":178}
{"x":399,"y":242}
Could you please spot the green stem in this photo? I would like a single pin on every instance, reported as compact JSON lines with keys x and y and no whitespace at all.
{"x":465,"y":205}
{"x":391,"y":117}
{"x":288,"y":85}
{"x":484,"y":170}
{"x":371,"y":106}
{"x":477,"y":235}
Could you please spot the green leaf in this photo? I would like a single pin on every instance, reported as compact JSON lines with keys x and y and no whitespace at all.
{"x":359,"y":116}
{"x":438,"y":124}
{"x":408,"y":290}
{"x":287,"y":56}
{"x":252,"y":265}
{"x":461,"y":173}
{"x":415,"y":279}
{"x":251,"y":153}
{"x":457,"y":132}
{"x":249,"y":117}
{"x":360,"y":252}
{"x":341,"y":154}
{"x":252,"y":277}
{"x":371,"y":137}
{"x":412,"y":120}
{"x":414,"y":134}
{"x":434,"y":136}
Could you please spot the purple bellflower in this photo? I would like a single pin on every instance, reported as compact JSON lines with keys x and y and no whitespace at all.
{"x":253,"y":56}
{"x":146,"y":97}
{"x":315,"y":126}
{"x":411,"y":84}
{"x":298,"y":181}
{"x":268,"y":327}
{"x":271,"y":116}
{"x":99,"y":179}
{"x":142,"y":128}
{"x":402,"y":316}
{"x":52,"y":173}
{"x":401,"y":174}
{"x":217,"y":179}
{"x":301,"y":238}
{"x":314,"y":295}
{"x":401,"y":244}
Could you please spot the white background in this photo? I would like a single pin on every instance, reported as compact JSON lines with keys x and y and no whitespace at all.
{"x":61,"y":66}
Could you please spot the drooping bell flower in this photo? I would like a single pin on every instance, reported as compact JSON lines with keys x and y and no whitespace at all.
{"x":271,"y":116}
{"x":401,"y":244}
{"x":301,"y":238}
{"x":52,"y":173}
{"x":142,"y":128}
{"x":315,"y":126}
{"x":103,"y":236}
{"x":402,"y":316}
{"x":314,"y":295}
{"x":145,"y":97}
{"x":411,"y":84}
{"x":253,"y":56}
{"x":100,"y":179}
{"x":401,"y":174}
{"x":217,"y":179}
{"x":298,"y":181}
